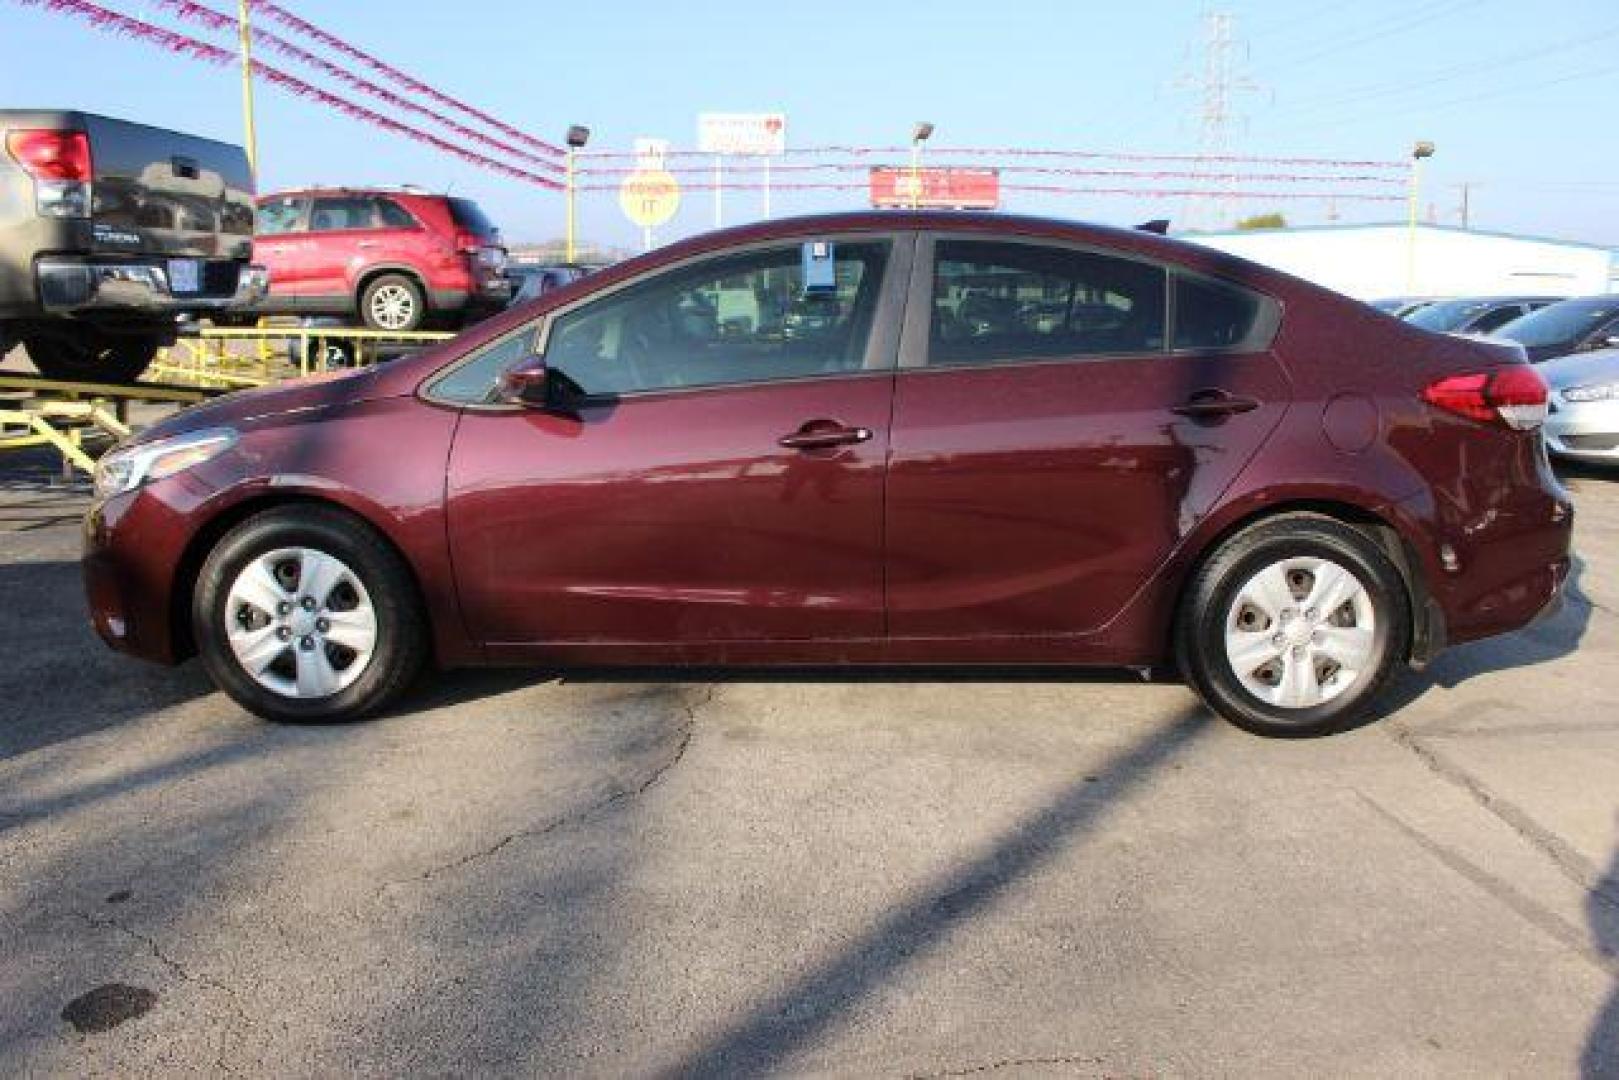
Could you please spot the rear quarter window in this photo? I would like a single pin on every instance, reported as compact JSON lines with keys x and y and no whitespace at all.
{"x":1213,"y":314}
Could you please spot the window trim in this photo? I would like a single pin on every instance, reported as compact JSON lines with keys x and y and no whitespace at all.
{"x":918,"y":330}
{"x":882,"y":344}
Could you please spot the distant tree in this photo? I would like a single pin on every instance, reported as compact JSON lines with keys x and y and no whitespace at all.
{"x":1262,"y":221}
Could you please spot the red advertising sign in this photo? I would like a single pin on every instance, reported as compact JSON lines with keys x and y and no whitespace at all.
{"x":892,"y":187}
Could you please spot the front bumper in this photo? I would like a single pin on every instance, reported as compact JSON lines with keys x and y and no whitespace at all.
{"x":90,"y":286}
{"x":1585,"y":431}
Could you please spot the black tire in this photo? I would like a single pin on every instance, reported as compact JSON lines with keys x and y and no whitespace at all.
{"x":400,"y":287}
{"x":91,"y":357}
{"x":1200,"y":636}
{"x":401,"y":647}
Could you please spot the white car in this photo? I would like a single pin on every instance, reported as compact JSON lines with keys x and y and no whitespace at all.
{"x":1583,"y":424}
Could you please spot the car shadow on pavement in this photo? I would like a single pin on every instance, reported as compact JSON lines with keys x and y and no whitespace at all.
{"x":1554,"y":637}
{"x":59,"y":681}
{"x":787,"y":1021}
{"x":1600,"y":1059}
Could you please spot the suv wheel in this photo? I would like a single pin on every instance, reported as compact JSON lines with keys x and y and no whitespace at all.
{"x":91,"y":357}
{"x":1294,"y":626}
{"x":303,"y":613}
{"x":393,"y":302}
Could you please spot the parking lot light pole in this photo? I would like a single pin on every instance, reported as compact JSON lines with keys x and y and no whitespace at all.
{"x":1419,"y":153}
{"x":245,"y":36}
{"x":919,"y":135}
{"x":577,"y":137}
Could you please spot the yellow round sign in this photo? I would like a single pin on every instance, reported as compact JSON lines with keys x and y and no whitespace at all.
{"x":649,"y":197}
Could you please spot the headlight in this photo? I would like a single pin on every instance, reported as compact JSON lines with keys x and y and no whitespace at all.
{"x":129,"y":468}
{"x":1606,"y":391}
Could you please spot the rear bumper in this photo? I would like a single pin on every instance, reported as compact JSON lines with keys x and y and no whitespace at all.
{"x":70,"y":286}
{"x":1496,"y":568}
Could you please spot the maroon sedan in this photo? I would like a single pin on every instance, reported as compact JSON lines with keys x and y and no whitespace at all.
{"x":874,"y":438}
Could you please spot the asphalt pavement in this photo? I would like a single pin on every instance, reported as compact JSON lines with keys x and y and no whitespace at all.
{"x":884,"y":873}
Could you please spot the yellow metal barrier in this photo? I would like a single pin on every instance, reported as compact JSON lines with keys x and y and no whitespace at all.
{"x":35,"y":411}
{"x":230,"y":358}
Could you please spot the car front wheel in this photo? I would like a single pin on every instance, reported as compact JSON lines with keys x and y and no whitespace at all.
{"x":303,"y":613}
{"x":1294,"y":626}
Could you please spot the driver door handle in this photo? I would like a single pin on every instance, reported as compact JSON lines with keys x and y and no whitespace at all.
{"x":822,"y":435}
{"x":1214,"y":405}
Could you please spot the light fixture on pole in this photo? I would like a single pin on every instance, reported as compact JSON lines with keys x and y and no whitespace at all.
{"x":1420,"y":152}
{"x":919,"y":135}
{"x":577,"y":137}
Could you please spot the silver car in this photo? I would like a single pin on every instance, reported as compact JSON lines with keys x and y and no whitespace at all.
{"x":1584,"y":401}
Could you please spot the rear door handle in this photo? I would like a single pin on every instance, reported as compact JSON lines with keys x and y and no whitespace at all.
{"x":1213,"y":405}
{"x":823,"y":434}
{"x":366,"y":244}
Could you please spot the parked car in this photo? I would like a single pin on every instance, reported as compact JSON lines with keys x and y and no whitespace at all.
{"x":530,"y":281}
{"x":1584,"y":421}
{"x":1265,"y":483}
{"x":390,"y":259}
{"x":1475,"y":316}
{"x":1571,"y":326}
{"x":111,"y":230}
{"x":1399,"y":306}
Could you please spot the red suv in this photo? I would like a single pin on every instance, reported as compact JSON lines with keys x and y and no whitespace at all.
{"x":987,"y":439}
{"x":396,"y":259}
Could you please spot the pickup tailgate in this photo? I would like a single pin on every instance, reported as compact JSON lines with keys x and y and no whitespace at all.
{"x":161,"y":192}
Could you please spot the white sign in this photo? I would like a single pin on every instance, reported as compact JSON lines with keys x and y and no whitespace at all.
{"x":649,"y":154}
{"x":752,"y":134}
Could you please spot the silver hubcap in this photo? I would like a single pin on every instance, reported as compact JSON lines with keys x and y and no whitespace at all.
{"x":392,"y":307}
{"x":300,"y":623}
{"x":1300,"y":632}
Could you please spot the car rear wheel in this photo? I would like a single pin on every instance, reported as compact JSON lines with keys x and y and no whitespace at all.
{"x":393,"y":302}
{"x":303,"y":613}
{"x":91,"y":357}
{"x":1294,"y":626}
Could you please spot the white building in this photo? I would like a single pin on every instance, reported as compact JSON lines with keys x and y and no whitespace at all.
{"x":1375,"y":261}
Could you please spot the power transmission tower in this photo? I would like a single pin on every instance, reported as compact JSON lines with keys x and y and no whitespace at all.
{"x":1216,"y":83}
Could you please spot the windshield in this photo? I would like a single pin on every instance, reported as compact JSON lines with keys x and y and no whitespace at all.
{"x":470,"y":218}
{"x":1447,"y":314}
{"x":1557,"y":324}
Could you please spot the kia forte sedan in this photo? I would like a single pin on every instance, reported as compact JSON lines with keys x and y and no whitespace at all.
{"x":1007,"y":441}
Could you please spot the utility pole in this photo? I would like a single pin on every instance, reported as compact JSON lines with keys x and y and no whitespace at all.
{"x":244,"y":34}
{"x":1216,"y":85}
{"x":1466,"y":188}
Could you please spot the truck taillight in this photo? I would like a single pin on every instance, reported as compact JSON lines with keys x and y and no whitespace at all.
{"x":59,"y":162}
{"x":1514,"y":396}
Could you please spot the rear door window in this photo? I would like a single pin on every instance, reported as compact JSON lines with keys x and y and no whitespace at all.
{"x":332,"y":213}
{"x":390,"y":215}
{"x":1006,"y":302}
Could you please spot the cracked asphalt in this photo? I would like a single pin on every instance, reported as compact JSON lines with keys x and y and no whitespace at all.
{"x":666,"y":873}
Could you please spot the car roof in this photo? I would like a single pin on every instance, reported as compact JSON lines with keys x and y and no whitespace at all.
{"x":406,"y":192}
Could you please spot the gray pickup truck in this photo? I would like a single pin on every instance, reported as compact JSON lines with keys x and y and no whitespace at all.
{"x":110,"y":231}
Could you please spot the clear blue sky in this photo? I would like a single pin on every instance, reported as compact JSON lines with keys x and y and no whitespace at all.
{"x":1516,"y":95}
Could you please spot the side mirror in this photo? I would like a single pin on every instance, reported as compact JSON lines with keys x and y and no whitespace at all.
{"x":528,"y":384}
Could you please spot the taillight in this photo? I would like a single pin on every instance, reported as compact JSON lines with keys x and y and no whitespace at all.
{"x":467,"y":243}
{"x":59,"y":162}
{"x":1515,"y":396}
